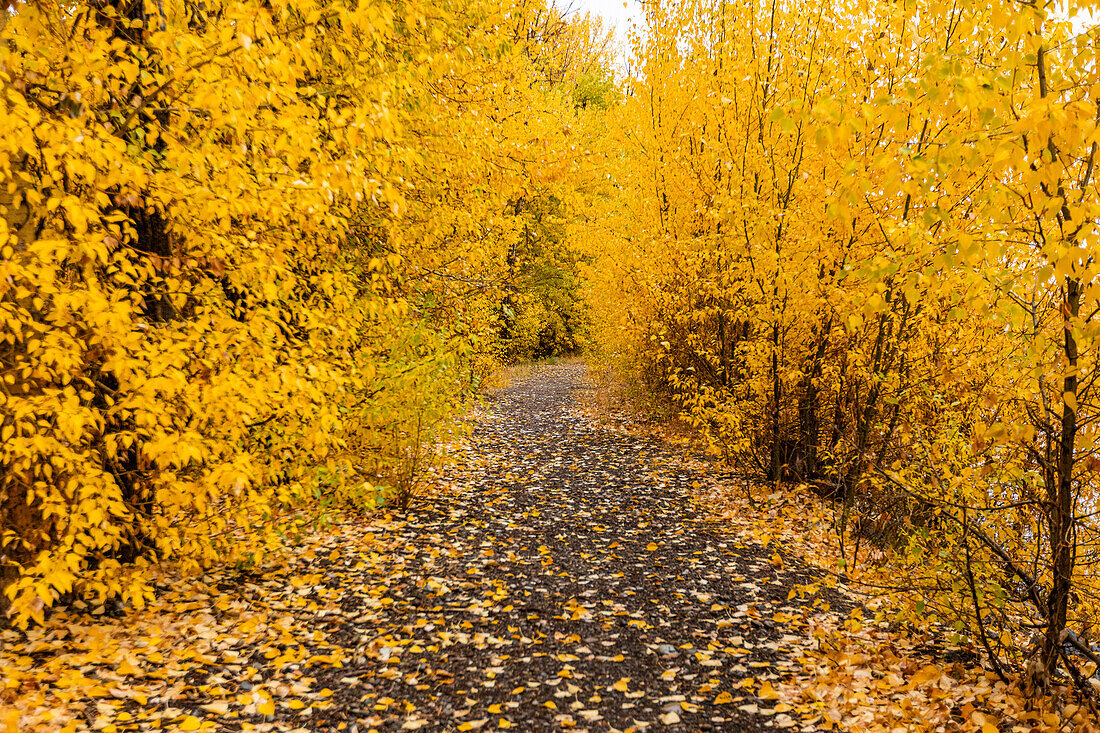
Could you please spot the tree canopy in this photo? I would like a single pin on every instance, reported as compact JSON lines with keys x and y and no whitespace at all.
{"x":258,"y":255}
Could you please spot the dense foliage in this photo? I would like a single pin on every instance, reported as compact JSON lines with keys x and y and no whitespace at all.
{"x":855,"y":243}
{"x":257,"y":254}
{"x":254,"y":255}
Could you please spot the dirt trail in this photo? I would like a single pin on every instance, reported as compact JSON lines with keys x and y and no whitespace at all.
{"x":566,"y":583}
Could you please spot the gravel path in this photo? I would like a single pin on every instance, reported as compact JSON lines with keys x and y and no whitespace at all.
{"x":568,"y":583}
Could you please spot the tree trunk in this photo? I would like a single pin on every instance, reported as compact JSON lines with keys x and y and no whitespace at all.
{"x":1063,"y":541}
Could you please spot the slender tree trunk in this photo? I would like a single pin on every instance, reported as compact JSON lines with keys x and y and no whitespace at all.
{"x":1063,"y":539}
{"x":1060,"y":491}
{"x":809,"y":405}
{"x":777,"y":398}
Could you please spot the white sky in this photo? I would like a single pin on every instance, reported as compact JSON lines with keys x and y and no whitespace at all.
{"x":621,"y":14}
{"x":616,"y":13}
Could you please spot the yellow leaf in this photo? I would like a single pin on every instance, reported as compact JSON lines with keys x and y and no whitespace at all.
{"x":190,"y":723}
{"x":1070,"y":398}
{"x":927,"y":673}
{"x":266,"y":706}
{"x":127,"y":669}
{"x":723,"y":698}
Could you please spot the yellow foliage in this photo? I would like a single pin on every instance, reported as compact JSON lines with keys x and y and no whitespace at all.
{"x":854,"y":244}
{"x":251,"y":264}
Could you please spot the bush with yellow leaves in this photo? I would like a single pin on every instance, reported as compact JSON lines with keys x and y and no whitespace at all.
{"x":217,"y":315}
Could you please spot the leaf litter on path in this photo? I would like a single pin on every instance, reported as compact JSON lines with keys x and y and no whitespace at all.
{"x":568,"y":582}
{"x":559,"y":577}
{"x":862,"y":671}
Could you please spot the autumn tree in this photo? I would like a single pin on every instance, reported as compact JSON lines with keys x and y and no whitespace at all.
{"x":253,"y":257}
{"x":852,"y":244}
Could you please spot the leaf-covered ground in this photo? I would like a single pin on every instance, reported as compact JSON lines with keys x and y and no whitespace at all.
{"x":559,"y":576}
{"x":568,"y":582}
